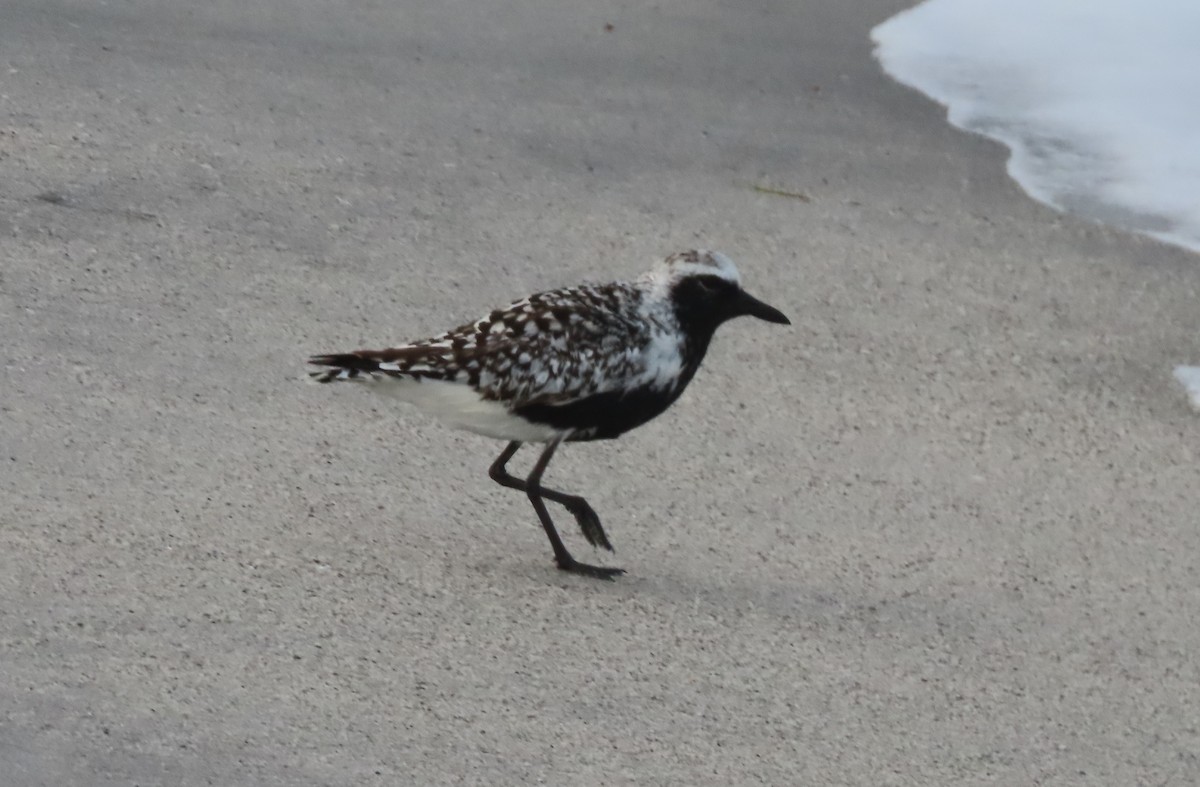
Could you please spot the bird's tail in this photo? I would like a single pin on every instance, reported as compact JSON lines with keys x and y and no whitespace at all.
{"x":344,"y":366}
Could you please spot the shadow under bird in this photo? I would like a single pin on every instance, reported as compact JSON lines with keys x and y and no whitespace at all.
{"x":580,"y":363}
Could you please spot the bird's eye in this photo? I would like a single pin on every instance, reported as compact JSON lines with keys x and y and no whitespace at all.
{"x":706,"y":287}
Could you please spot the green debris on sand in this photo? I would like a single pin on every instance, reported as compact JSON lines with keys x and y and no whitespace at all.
{"x":780,"y":192}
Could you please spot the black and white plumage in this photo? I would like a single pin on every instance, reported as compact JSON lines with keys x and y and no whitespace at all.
{"x":580,"y":363}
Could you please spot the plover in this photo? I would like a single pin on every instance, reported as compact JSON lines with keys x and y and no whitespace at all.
{"x":581,"y":363}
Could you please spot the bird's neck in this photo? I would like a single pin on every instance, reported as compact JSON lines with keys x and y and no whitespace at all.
{"x":695,"y":336}
{"x":693,"y":331}
{"x":697,"y":325}
{"x":693,"y":349}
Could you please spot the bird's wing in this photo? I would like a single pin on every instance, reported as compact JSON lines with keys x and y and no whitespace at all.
{"x":554,"y":348}
{"x":557,"y":347}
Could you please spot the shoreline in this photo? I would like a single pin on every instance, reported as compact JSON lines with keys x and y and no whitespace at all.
{"x":1072,"y":142}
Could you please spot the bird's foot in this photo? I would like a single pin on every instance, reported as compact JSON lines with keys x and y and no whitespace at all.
{"x":589,"y":523}
{"x":598,"y":572}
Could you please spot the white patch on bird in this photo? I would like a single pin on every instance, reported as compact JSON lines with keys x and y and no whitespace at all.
{"x":461,"y":407}
{"x":663,"y":359}
{"x":497,"y":327}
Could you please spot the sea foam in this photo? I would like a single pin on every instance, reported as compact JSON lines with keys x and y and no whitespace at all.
{"x":1099,"y":101}
{"x":1189,"y":378}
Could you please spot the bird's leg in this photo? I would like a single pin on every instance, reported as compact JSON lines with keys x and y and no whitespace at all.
{"x":588,"y":521}
{"x":533,"y":489}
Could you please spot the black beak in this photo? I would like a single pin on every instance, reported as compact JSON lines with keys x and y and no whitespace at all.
{"x":749,"y":305}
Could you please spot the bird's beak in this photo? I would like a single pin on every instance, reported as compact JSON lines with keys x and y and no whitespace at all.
{"x":749,"y":305}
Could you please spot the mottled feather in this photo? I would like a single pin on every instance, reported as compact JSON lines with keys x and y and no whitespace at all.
{"x":551,"y":347}
{"x":543,"y":357}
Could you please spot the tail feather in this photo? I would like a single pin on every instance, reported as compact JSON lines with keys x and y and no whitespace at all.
{"x":344,"y":366}
{"x":410,"y":362}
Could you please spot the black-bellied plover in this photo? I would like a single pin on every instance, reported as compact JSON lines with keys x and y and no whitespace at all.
{"x":580,"y":363}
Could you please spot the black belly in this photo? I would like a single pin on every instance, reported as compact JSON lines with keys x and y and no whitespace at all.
{"x":603,"y":416}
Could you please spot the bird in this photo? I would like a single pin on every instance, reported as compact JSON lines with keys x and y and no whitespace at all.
{"x":580,"y":363}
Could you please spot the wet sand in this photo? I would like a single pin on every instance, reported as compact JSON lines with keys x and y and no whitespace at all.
{"x":943,"y":530}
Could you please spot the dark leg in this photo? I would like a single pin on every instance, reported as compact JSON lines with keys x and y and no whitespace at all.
{"x":533,"y":488}
{"x":588,"y":521}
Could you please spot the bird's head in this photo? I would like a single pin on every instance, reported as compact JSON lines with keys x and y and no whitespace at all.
{"x":706,"y":290}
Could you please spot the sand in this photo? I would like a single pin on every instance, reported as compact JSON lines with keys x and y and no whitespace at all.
{"x":942,"y":531}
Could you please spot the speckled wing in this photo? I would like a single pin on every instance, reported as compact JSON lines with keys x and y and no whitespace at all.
{"x":550,"y":348}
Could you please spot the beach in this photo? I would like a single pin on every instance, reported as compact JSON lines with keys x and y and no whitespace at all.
{"x":941,"y":530}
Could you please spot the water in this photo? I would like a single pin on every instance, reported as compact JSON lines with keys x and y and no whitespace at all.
{"x":1099,"y":100}
{"x":1189,"y":378}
